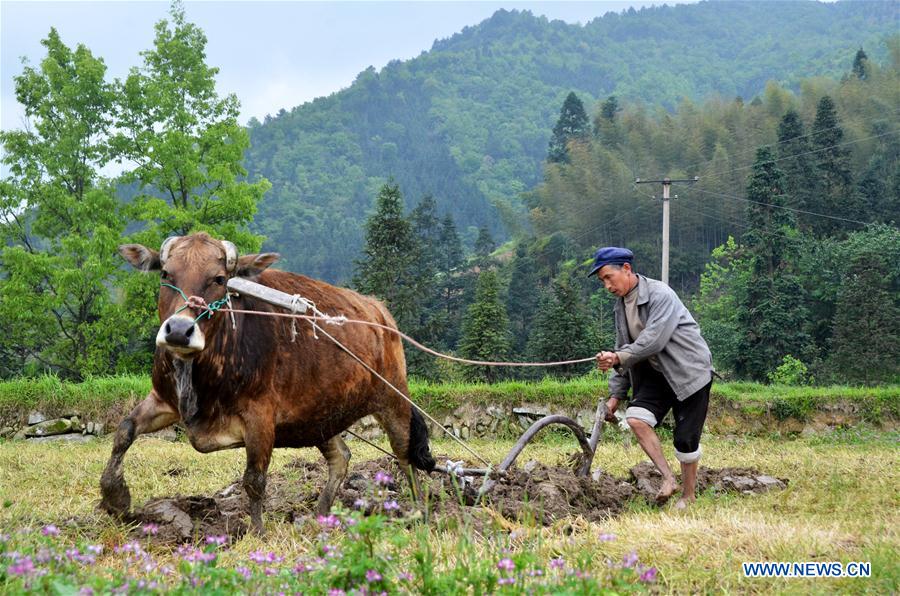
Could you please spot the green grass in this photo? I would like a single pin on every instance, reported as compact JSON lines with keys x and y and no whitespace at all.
{"x":109,"y":397}
{"x":842,"y":505}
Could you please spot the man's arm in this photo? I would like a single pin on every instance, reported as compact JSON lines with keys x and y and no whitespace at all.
{"x":661,"y":324}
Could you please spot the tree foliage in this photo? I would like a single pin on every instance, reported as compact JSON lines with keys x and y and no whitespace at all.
{"x":63,"y":222}
{"x":485,"y":334}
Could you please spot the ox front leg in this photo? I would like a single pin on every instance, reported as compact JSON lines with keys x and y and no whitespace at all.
{"x":150,"y":415}
{"x":259,"y":442}
{"x":337,"y":455}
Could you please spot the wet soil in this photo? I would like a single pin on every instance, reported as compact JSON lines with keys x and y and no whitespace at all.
{"x":534,"y":492}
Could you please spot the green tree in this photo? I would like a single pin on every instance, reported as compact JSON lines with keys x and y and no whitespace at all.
{"x":387,"y":269}
{"x":562,"y":329}
{"x":861,"y":65}
{"x":837,"y":194}
{"x":722,"y":295}
{"x":800,"y":177}
{"x":866,"y":337}
{"x":522,"y":298}
{"x":63,"y":222}
{"x":774,"y":318}
{"x":610,"y":108}
{"x":573,"y":124}
{"x":485,"y":329}
{"x":186,"y":142}
{"x":451,"y":281}
{"x":484,"y":244}
{"x":430,"y":324}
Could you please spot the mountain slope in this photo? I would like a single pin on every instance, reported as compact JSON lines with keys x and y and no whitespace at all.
{"x":469,"y":121}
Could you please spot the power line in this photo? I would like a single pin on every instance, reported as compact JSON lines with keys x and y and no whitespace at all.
{"x":809,"y":134}
{"x":819,"y":150}
{"x":737,"y":198}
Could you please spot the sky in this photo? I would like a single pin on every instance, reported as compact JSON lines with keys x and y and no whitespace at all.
{"x":272,"y":55}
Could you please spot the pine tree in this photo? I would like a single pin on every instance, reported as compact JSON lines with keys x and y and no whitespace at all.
{"x":573,"y":124}
{"x":866,"y":338}
{"x":430,"y":325}
{"x":523,"y":297}
{"x":388,"y":267}
{"x":450,"y":281}
{"x":562,"y":329}
{"x":610,"y":108}
{"x":861,"y":65}
{"x":484,"y":244}
{"x":774,"y":317}
{"x":838,"y":195}
{"x":485,"y":329}
{"x":800,"y":179}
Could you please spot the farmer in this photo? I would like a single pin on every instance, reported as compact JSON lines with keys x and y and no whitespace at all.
{"x":662,"y":357}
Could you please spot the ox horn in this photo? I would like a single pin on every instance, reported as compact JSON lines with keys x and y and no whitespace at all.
{"x":166,"y":246}
{"x":231,"y":255}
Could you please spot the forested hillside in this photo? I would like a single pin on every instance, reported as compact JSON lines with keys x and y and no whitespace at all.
{"x":469,"y":121}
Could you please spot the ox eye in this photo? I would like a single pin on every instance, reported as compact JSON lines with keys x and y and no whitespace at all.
{"x":164,"y":274}
{"x":219,"y":279}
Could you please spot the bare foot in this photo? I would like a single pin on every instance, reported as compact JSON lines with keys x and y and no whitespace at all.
{"x":668,"y":488}
{"x":684,"y":502}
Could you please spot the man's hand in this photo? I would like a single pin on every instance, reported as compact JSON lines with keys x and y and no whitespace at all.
{"x":611,"y":405}
{"x":606,"y":360}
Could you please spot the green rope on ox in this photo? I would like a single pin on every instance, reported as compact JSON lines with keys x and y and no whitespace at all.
{"x":210,"y":309}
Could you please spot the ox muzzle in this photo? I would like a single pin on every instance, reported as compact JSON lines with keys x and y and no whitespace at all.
{"x":181,"y":335}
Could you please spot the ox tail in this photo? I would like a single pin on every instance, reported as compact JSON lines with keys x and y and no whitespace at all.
{"x":419,"y":451}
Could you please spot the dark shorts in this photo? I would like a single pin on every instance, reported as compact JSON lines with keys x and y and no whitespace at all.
{"x":652,"y":398}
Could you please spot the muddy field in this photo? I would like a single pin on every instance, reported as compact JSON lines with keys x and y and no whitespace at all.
{"x":531,"y":492}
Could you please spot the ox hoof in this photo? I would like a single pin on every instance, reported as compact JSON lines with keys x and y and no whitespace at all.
{"x":116,"y":499}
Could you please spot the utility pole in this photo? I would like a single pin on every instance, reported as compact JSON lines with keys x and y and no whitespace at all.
{"x":666,"y":184}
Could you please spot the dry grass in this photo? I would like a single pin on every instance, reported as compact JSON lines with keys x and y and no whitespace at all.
{"x":841,"y":505}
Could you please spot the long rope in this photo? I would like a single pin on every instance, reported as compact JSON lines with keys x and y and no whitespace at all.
{"x":342,"y":320}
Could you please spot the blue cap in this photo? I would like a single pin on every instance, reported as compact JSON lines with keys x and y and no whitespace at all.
{"x":610,"y":255}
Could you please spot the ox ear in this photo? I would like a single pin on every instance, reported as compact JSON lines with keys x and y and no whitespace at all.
{"x":251,"y":266}
{"x":140,"y":257}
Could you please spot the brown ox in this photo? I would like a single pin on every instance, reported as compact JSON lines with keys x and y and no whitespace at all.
{"x":254,"y":385}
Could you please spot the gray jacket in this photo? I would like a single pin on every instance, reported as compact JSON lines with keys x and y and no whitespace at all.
{"x":670,"y":333}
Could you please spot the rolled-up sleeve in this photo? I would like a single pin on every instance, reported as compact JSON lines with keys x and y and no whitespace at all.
{"x":619,"y":384}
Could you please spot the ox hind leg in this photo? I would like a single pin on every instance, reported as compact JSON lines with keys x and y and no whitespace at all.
{"x":408,"y":435}
{"x":150,"y":415}
{"x":337,"y":455}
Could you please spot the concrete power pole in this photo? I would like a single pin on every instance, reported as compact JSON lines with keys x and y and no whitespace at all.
{"x":666,"y":184}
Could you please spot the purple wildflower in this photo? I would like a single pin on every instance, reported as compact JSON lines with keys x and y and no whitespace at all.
{"x":50,"y":530}
{"x":630,"y":560}
{"x":383,"y":478}
{"x":391,"y":505}
{"x":260,"y":557}
{"x":648,"y":575}
{"x":330,"y":521}
{"x":21,"y":566}
{"x":244,"y":572}
{"x":557,"y":563}
{"x":404,"y":576}
{"x":360,"y":504}
{"x":150,"y":529}
{"x":86,"y":591}
{"x":217,"y":540}
{"x":373,"y":576}
{"x":506,"y":565}
{"x":607,"y":537}
{"x":503,"y":581}
{"x":336,"y":592}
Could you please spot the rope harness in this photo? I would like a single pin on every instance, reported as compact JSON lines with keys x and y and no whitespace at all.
{"x":300,"y":305}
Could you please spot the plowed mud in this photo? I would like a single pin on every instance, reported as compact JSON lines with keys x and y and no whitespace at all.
{"x":536,"y":492}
